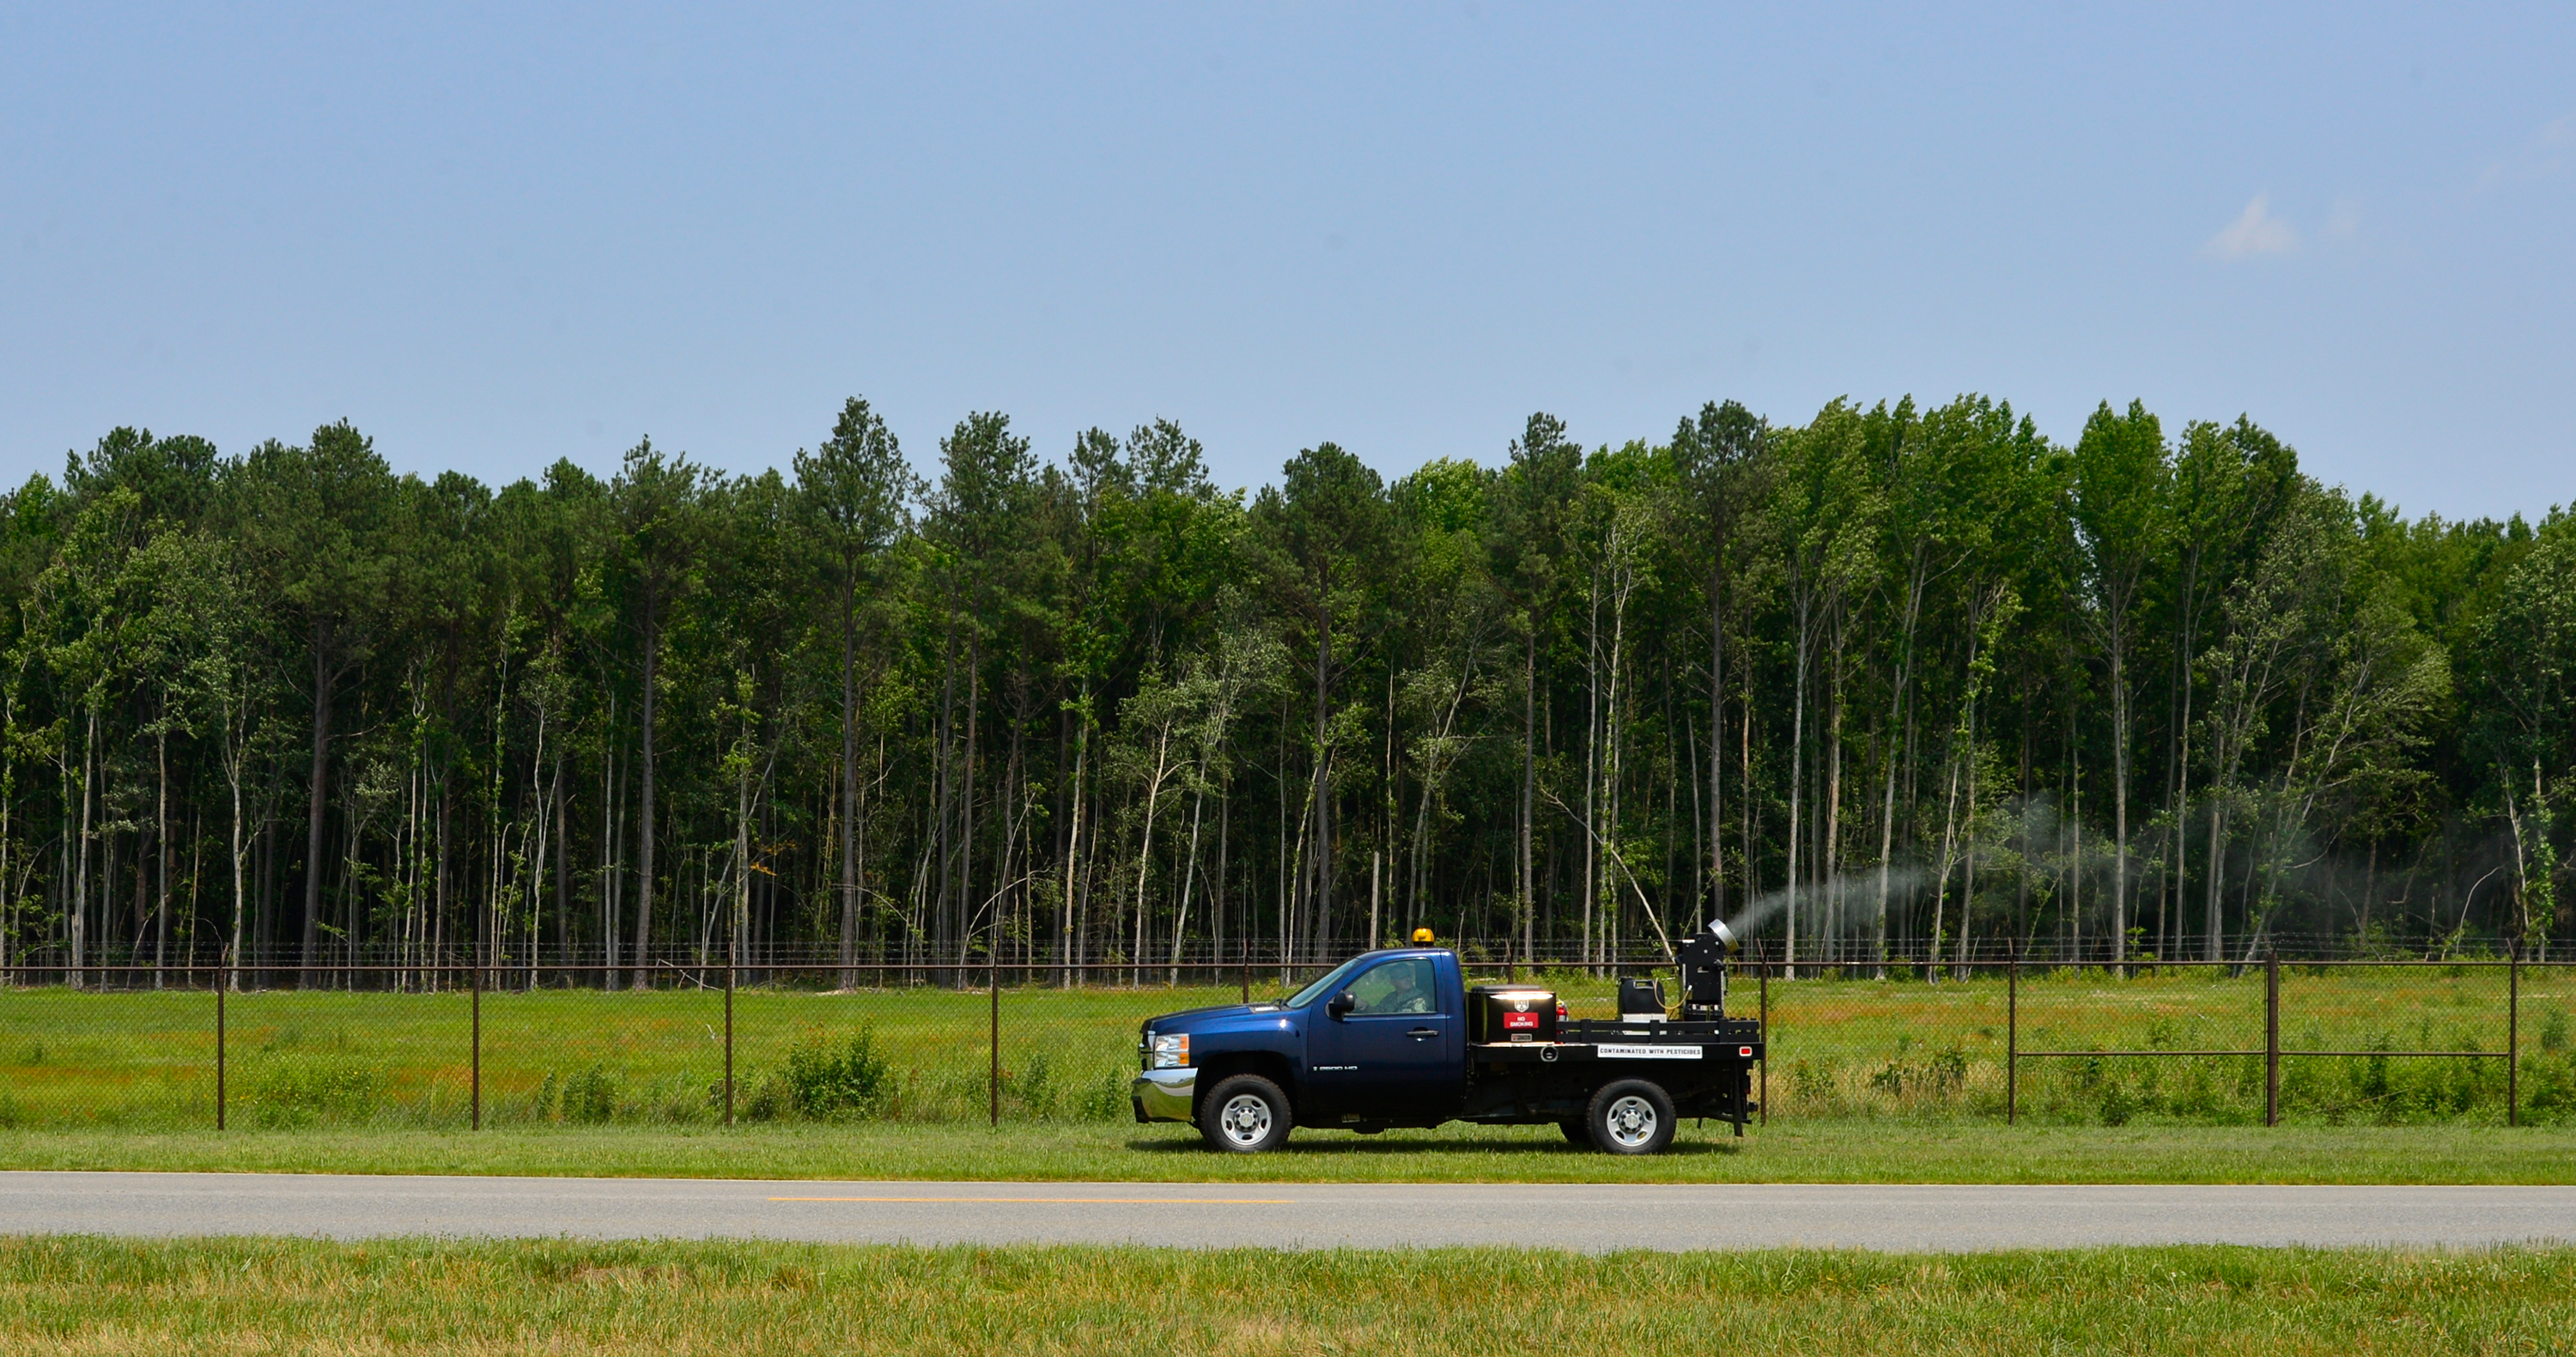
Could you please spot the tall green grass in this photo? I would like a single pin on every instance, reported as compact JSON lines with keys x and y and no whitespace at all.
{"x":87,"y":1295}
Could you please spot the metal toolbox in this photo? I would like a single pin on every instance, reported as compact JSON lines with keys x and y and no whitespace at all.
{"x":1510,"y":1013}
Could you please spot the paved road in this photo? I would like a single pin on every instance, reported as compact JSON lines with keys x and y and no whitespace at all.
{"x":1298,"y":1215}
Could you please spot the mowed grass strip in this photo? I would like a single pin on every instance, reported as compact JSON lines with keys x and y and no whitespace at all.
{"x":1786,"y":1152}
{"x":96,"y":1295}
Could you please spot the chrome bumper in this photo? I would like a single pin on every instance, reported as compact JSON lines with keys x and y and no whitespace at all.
{"x":1164,"y":1095}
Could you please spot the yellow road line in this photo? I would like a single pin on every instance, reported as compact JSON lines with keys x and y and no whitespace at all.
{"x":1067,"y":1201}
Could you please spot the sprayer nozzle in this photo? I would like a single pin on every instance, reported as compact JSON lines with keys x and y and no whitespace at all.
{"x":1725,"y":935}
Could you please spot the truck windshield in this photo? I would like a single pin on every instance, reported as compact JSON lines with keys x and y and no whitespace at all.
{"x":1331,"y":982}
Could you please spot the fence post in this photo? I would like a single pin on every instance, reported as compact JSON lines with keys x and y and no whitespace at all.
{"x":2271,"y":1038}
{"x":2012,"y":1035}
{"x":993,"y":1086}
{"x":729,"y":983}
{"x":1247,"y":970}
{"x":1762,"y":968}
{"x":220,"y":977}
{"x":2513,"y":1033}
{"x":474,"y":980}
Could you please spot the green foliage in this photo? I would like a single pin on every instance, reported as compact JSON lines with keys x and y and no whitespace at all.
{"x":825,"y":1079}
{"x":590,"y":1096}
{"x":304,"y":1090}
{"x":1080,"y":700}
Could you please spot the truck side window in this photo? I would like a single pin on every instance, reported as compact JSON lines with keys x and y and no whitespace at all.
{"x":1396,"y":987}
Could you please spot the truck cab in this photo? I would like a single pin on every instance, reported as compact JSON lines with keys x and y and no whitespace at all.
{"x":1398,"y":1038}
{"x":1379,"y":1040}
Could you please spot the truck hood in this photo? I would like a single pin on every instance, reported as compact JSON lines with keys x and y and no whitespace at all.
{"x":1199,"y":1019}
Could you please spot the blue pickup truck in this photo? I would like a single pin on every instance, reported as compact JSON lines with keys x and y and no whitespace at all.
{"x":1400,"y":1038}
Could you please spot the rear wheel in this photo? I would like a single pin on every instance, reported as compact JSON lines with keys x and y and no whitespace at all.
{"x":1245,"y":1115}
{"x":1631,"y":1116}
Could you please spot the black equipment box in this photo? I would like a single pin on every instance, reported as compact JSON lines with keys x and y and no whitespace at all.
{"x":1508,"y":1013}
{"x":1641,"y":997}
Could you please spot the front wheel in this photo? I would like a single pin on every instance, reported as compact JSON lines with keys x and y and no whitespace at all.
{"x":1245,"y":1115}
{"x":1631,"y":1116}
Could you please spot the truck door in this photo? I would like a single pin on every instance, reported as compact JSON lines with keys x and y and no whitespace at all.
{"x":1395,"y":1054}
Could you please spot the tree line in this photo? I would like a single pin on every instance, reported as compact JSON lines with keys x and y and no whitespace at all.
{"x":1894,"y":684}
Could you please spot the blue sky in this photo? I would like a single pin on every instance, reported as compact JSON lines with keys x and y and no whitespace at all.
{"x":497,"y":236}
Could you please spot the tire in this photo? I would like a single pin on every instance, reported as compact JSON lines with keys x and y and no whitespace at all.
{"x":1631,"y":1116}
{"x":1245,"y":1114}
{"x":1577,"y":1134}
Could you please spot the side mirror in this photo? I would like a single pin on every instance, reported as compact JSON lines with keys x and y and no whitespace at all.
{"x":1341,"y":1004}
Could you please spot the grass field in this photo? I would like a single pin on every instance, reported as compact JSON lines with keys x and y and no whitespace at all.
{"x":87,"y":1295}
{"x":1841,"y":1049}
{"x":1811,"y":1151}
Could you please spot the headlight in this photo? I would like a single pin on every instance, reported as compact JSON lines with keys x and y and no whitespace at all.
{"x":1167,"y":1050}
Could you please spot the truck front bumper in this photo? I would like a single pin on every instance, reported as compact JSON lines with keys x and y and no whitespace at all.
{"x":1164,"y":1095}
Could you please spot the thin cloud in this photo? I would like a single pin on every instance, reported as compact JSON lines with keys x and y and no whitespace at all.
{"x":2255,"y":232}
{"x":2544,"y":153}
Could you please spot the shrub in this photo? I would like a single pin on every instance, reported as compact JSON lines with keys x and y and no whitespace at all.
{"x":590,"y":1097}
{"x":1105,"y":1099}
{"x":299,"y":1092}
{"x":766,"y":1100}
{"x":825,"y":1079}
{"x":2117,"y":1105}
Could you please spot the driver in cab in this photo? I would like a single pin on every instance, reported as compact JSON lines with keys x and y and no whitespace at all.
{"x":1396,"y":987}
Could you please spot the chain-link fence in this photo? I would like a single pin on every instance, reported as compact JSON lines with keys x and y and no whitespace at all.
{"x":2206,"y":1042}
{"x":449,"y":1046}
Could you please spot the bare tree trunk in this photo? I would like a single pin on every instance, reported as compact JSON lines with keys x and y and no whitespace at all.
{"x":850,"y":875}
{"x":563,"y":854}
{"x":1529,"y":791}
{"x":1797,"y":784}
{"x":2119,"y":796}
{"x":644,"y":820}
{"x":161,"y":835}
{"x":1828,"y":856}
{"x":1716,"y":739}
{"x":1941,"y":889}
{"x":943,"y":790}
{"x":80,"y":880}
{"x":612,"y":836}
{"x":315,"y":804}
{"x":966,"y":804}
{"x":2216,"y":945}
{"x":240,"y":846}
{"x":1591,"y":767}
{"x":1323,"y":858}
{"x":1073,"y":841}
{"x":1189,"y":879}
